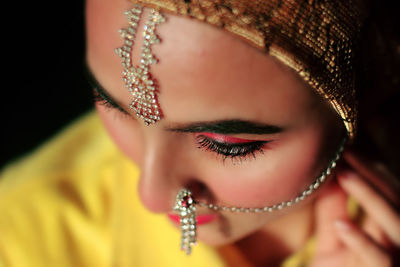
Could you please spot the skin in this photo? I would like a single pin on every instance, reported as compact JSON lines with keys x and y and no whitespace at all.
{"x":200,"y":81}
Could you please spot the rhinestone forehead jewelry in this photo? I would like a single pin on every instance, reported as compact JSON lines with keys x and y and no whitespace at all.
{"x":138,"y":79}
{"x":185,"y":205}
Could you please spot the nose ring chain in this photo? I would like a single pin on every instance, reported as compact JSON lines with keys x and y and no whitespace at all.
{"x":185,"y":205}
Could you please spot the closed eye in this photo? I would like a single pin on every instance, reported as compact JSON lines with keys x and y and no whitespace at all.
{"x":231,"y":150}
{"x":100,"y":95}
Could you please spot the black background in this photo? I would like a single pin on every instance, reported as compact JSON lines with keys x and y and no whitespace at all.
{"x":44,"y":86}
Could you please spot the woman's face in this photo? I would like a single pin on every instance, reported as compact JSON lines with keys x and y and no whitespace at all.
{"x":282,"y":137}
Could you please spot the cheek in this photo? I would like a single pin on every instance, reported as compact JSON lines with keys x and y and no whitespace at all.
{"x":273,"y":177}
{"x":124,"y":132}
{"x":259,"y":189}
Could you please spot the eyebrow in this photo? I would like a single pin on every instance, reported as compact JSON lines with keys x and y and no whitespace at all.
{"x":235,"y":126}
{"x":103,"y":94}
{"x":229,"y":127}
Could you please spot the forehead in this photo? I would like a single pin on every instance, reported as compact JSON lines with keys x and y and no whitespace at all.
{"x":206,"y":65}
{"x":203,"y":73}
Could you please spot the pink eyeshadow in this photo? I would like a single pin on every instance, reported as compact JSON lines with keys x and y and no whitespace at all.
{"x":226,"y":139}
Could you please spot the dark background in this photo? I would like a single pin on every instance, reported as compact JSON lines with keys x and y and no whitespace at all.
{"x":43,"y":82}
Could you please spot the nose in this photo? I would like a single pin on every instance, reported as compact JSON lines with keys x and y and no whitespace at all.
{"x":162,"y":173}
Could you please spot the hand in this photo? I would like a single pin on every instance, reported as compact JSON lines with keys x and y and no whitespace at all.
{"x":373,"y":243}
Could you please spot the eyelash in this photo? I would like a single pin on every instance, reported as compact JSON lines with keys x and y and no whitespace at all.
{"x":229,"y":150}
{"x":102,"y":100}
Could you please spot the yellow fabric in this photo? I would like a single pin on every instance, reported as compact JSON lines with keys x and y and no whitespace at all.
{"x":73,"y":202}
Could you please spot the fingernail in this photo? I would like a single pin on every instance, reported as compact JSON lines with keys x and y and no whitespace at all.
{"x":347,"y":174}
{"x":347,"y":177}
{"x":342,"y":225}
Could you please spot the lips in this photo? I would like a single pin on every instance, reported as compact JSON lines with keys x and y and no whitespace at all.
{"x":201,"y":219}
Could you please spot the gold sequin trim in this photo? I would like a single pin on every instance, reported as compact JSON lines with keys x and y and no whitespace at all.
{"x":317,"y":39}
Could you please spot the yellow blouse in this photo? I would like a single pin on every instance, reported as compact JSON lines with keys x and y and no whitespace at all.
{"x":73,"y":202}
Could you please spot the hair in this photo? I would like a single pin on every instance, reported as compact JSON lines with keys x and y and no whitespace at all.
{"x":378,"y":82}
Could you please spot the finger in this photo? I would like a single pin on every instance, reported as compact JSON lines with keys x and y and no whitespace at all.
{"x":375,"y":232}
{"x":330,"y":206}
{"x":375,"y":173}
{"x":373,"y":204}
{"x":370,"y":253}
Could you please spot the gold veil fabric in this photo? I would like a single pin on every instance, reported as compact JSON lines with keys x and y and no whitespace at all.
{"x":316,"y":38}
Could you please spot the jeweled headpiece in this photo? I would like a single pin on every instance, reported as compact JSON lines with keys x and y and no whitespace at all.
{"x":316,"y":38}
{"x":138,"y":79}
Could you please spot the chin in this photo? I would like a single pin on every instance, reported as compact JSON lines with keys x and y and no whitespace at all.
{"x":220,"y":235}
{"x":214,"y":240}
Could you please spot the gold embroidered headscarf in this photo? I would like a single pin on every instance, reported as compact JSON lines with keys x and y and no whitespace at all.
{"x":316,"y":38}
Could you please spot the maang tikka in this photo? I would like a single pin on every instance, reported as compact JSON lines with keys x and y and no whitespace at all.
{"x":138,"y":79}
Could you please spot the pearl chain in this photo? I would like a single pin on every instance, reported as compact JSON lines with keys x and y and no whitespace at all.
{"x":315,"y":185}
